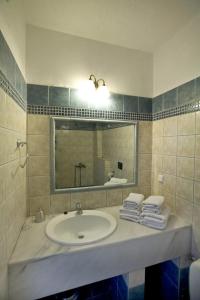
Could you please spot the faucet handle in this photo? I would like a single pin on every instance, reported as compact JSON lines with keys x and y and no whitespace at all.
{"x":78,"y":205}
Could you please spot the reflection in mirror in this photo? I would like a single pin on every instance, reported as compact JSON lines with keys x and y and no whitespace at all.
{"x":93,"y":153}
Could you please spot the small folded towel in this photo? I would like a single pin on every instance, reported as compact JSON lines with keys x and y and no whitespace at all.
{"x":150,"y":222}
{"x":130,"y":217}
{"x":115,"y":180}
{"x":118,"y":180}
{"x":133,"y":201}
{"x":154,"y":201}
{"x":151,"y":209}
{"x":134,"y":212}
{"x":163,"y":216}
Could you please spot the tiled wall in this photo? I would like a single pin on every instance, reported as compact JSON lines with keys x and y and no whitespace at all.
{"x":72,"y":147}
{"x":39,"y":173}
{"x":176,"y":154}
{"x":11,"y":78}
{"x":12,"y":181}
{"x":183,"y":99}
{"x":41,"y":95}
{"x":12,"y":176}
{"x":118,"y":145}
{"x":167,"y":280}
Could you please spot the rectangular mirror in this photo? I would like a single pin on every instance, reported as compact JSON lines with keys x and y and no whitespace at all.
{"x":92,"y":154}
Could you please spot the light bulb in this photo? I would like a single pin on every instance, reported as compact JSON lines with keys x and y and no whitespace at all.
{"x":87,"y":90}
{"x":103,"y":92}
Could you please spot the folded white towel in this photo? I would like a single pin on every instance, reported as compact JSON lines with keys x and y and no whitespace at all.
{"x":130,"y":218}
{"x":134,"y":212}
{"x":156,"y":201}
{"x":152,"y":209}
{"x":133,"y":199}
{"x":110,"y":183}
{"x":153,"y":224}
{"x":115,"y":180}
{"x":163,"y":216}
{"x":118,"y":180}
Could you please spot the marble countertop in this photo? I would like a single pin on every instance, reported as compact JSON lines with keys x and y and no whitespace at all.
{"x":33,"y":244}
{"x":40,"y":267}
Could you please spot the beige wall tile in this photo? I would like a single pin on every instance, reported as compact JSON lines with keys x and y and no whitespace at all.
{"x":197,"y":192}
{"x":198,"y":122}
{"x":3,"y":109}
{"x":197,"y":169}
{"x":60,"y":203}
{"x":185,"y":167}
{"x":3,"y":146}
{"x":12,"y":182}
{"x":169,"y":164}
{"x":169,"y":184}
{"x":127,"y":191}
{"x":184,"y":189}
{"x":184,"y":209}
{"x":156,"y":186}
{"x":170,"y":126}
{"x":197,"y":148}
{"x":145,"y":144}
{"x":157,"y":163}
{"x":89,"y":200}
{"x":186,"y":124}
{"x":38,"y":124}
{"x":144,"y":161}
{"x":38,"y":166}
{"x":186,"y":145}
{"x":157,"y":128}
{"x":144,"y":178}
{"x":170,"y":145}
{"x":158,"y":145}
{"x":145,"y":128}
{"x":195,"y":227}
{"x":36,"y":203}
{"x":170,"y":201}
{"x":145,"y":190}
{"x":38,"y":145}
{"x":114,"y":197}
{"x":38,"y":186}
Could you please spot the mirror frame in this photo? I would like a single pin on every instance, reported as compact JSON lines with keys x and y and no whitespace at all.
{"x":89,"y":188}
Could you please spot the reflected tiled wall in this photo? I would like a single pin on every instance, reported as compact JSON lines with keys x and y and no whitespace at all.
{"x":176,"y":154}
{"x":12,"y":181}
{"x":118,"y":145}
{"x":72,"y":147}
{"x":39,"y":172}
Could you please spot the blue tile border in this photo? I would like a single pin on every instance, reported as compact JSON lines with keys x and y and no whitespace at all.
{"x":66,"y":102}
{"x":12,"y":92}
{"x":11,"y":78}
{"x":179,"y":110}
{"x":86,"y":113}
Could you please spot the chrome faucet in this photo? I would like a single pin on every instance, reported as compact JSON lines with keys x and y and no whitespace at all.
{"x":79,"y":210}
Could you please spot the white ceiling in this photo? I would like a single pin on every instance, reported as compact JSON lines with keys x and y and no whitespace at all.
{"x":135,"y":24}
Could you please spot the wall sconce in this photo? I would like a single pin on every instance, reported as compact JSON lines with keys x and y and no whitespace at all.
{"x":100,"y":86}
{"x":93,"y":90}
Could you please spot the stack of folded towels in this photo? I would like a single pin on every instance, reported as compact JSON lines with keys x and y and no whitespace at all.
{"x":154,"y":213}
{"x":131,"y":208}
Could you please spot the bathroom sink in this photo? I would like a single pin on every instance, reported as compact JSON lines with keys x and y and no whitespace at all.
{"x":81,"y":229}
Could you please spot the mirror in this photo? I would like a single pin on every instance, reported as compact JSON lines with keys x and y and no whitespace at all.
{"x":92,"y":154}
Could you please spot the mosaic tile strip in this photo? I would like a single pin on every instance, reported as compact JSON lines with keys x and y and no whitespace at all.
{"x":12,"y":92}
{"x":179,"y":110}
{"x":87,"y":113}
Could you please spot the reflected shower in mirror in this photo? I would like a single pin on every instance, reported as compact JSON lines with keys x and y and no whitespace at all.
{"x":92,"y":153}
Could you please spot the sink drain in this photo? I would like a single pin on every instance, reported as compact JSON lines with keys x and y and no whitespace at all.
{"x":81,"y":235}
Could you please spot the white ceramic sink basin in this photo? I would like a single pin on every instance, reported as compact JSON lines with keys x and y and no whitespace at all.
{"x":73,"y":229}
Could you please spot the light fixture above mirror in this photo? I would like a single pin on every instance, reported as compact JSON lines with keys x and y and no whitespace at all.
{"x":94,"y":88}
